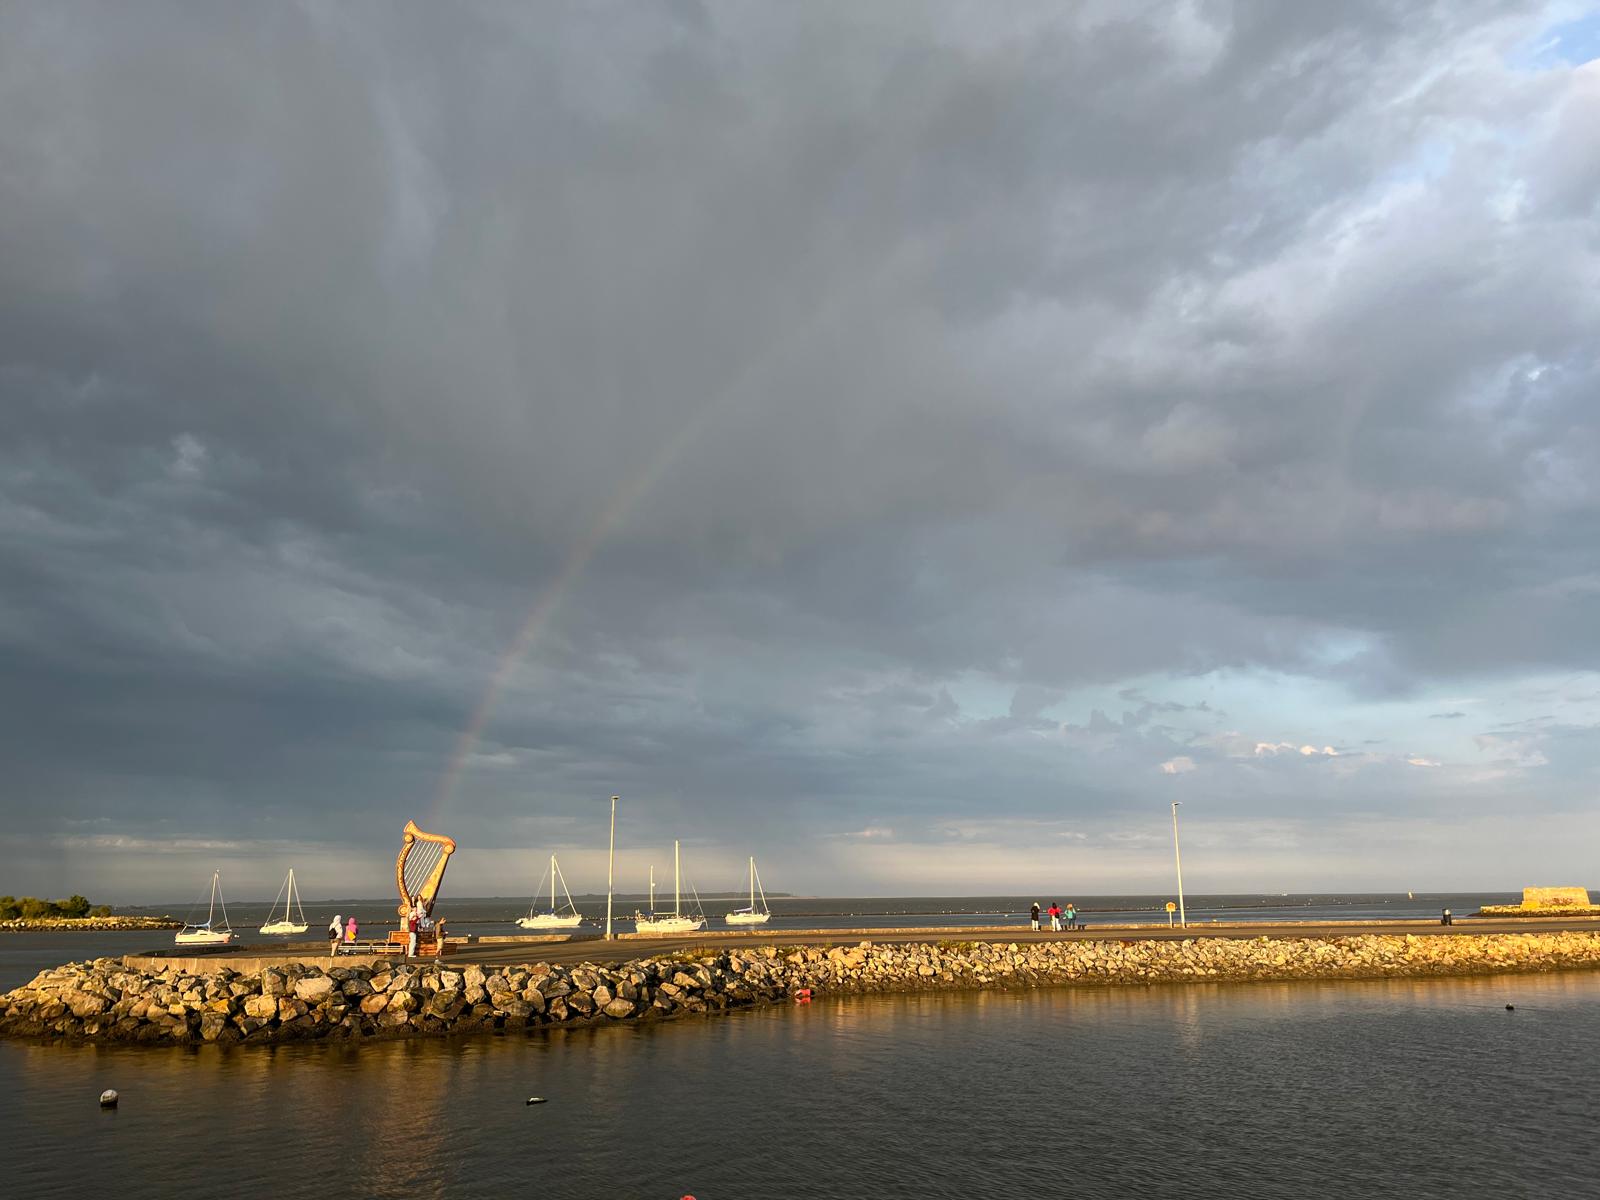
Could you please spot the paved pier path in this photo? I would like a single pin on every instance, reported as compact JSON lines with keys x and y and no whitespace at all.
{"x":590,"y":948}
{"x":600,"y":951}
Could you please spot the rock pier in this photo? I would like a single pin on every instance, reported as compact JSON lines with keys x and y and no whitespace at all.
{"x":142,"y":1001}
{"x":86,"y":924}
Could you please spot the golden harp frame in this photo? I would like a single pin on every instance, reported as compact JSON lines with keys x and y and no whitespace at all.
{"x":431,"y":852}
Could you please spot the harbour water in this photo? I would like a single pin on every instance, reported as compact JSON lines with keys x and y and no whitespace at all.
{"x":1421,"y":1088}
{"x":852,"y":912}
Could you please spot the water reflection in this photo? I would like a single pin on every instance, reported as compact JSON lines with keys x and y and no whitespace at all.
{"x":1258,"y":1090}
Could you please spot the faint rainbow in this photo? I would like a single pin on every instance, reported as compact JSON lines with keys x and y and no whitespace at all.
{"x":550,"y":598}
{"x":905,"y":256}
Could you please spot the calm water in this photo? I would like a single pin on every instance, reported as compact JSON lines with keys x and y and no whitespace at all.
{"x":1412,"y":1088}
{"x":881,"y":911}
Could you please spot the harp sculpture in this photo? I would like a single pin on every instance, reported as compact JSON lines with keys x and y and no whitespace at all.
{"x":420,"y":868}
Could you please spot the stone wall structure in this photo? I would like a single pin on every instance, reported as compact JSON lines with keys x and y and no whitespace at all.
{"x":1546,"y":902}
{"x":1555,"y":897}
{"x":111,"y":924}
{"x":118,"y":1000}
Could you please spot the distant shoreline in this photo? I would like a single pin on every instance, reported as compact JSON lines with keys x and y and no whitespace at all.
{"x":87,"y":924}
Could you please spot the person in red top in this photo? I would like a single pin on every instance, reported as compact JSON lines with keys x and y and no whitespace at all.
{"x":1055,"y":916}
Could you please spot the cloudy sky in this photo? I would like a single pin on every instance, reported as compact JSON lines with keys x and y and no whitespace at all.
{"x":911,"y":444}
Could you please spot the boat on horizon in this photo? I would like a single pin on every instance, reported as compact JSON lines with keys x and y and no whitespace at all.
{"x":752,"y":915}
{"x":206,"y":933}
{"x":677,"y":922}
{"x":289,"y":894}
{"x":554,"y":918}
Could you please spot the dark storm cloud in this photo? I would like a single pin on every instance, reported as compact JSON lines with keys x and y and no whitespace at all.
{"x":907,"y":383}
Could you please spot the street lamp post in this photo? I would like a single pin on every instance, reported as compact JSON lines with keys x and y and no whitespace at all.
{"x":1178,"y":859}
{"x":611,"y":866}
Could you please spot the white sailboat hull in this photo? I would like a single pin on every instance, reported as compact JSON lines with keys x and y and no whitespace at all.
{"x":203,"y":937}
{"x":291,"y":908}
{"x":669,"y":924}
{"x":747,"y":918}
{"x":550,"y":921}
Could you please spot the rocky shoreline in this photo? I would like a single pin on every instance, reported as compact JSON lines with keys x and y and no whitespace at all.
{"x":1517,"y":910}
{"x":110,"y":1000}
{"x":87,"y":924}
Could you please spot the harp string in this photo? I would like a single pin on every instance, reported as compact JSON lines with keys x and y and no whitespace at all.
{"x":420,"y":862}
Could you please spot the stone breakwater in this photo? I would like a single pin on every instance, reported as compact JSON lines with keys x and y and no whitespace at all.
{"x":88,"y":924}
{"x":108,"y":1000}
{"x":1554,"y":910}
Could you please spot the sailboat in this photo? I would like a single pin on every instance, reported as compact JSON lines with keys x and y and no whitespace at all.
{"x":677,"y":922}
{"x":285,"y":924}
{"x":752,"y":915}
{"x":553,"y":919}
{"x":207,"y":934}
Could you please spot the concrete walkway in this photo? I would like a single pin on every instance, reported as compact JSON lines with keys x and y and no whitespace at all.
{"x":499,"y":950}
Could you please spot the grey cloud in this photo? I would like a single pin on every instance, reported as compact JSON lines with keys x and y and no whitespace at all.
{"x":805,"y":374}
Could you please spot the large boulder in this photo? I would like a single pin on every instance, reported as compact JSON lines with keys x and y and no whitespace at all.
{"x":445,"y":1002}
{"x":85,"y":1004}
{"x":314,"y":988}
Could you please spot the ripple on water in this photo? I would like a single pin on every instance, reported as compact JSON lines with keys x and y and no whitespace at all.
{"x":1423,"y":1088}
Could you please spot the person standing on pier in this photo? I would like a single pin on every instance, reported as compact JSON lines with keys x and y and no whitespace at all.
{"x":350,"y":933}
{"x":335,"y":934}
{"x":1033,"y":916}
{"x":413,"y":919}
{"x":1055,"y":916}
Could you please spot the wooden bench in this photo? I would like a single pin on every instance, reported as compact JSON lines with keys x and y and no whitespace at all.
{"x":428,"y":944}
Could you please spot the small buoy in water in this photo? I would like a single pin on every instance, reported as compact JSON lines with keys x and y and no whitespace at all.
{"x":108,"y":1098}
{"x":803,"y":996}
{"x":535,"y":1099}
{"x":1511,"y":1008}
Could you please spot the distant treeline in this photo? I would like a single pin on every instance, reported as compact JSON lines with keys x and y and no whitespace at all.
{"x":31,"y":908}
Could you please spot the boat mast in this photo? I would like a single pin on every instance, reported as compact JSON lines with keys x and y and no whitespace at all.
{"x":652,"y":889}
{"x":215,"y":875}
{"x":552,"y":883}
{"x":752,"y":883}
{"x":677,"y":882}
